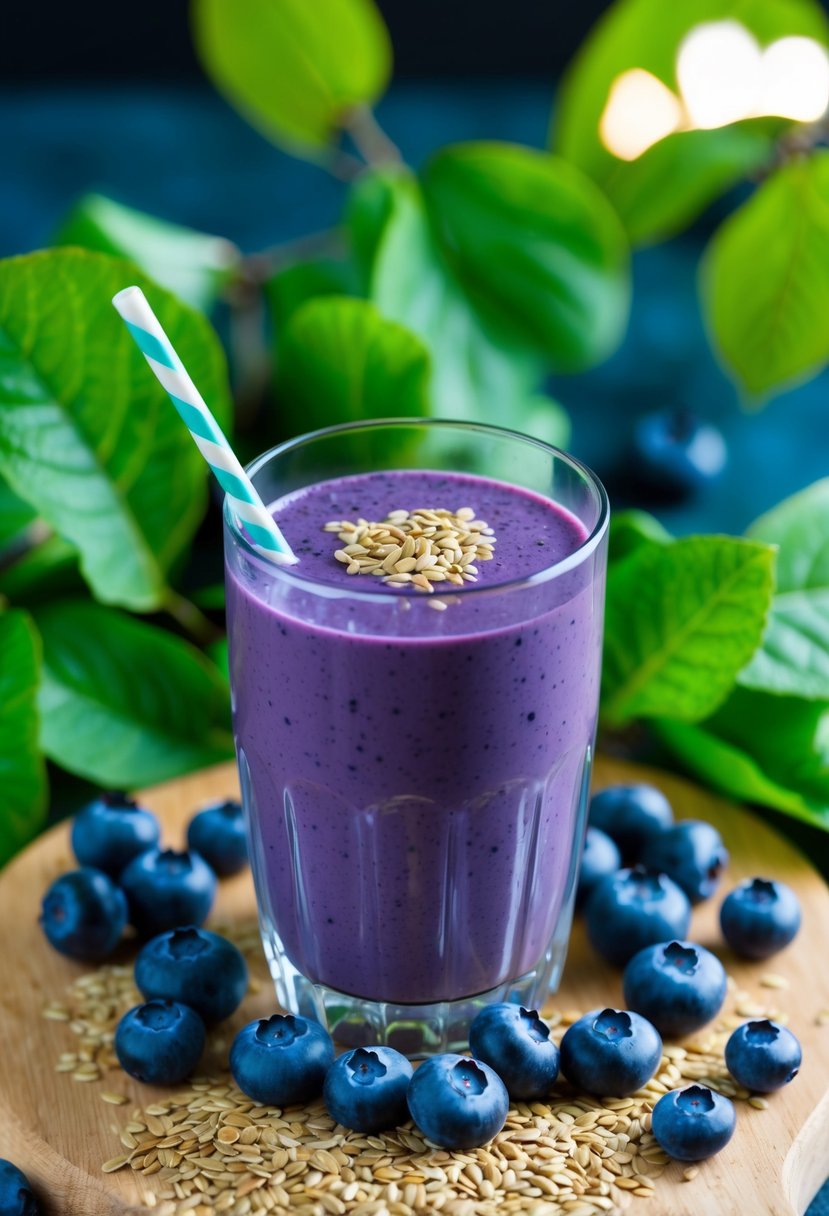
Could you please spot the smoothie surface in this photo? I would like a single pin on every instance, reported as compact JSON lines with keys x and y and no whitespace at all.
{"x":531,"y":532}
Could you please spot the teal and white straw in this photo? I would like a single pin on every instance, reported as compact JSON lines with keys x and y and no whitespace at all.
{"x":247,"y":508}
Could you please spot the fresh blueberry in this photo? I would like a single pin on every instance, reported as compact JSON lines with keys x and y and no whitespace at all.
{"x":457,"y":1103}
{"x":599,"y":858}
{"x":166,"y":889}
{"x":365,"y":1089}
{"x":611,"y":1052}
{"x":678,"y":986}
{"x":630,"y":815}
{"x":763,"y":1056}
{"x":760,"y":917}
{"x":112,"y":830}
{"x":218,"y":833}
{"x":84,"y":914}
{"x":160,"y":1043}
{"x":693,"y":1123}
{"x":195,"y":966}
{"x":16,"y":1196}
{"x":281,"y":1060}
{"x":692,"y":854}
{"x":633,"y":909}
{"x":676,"y":453}
{"x":517,"y":1044}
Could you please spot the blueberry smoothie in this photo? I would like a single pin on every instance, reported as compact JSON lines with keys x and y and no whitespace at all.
{"x":415,"y":778}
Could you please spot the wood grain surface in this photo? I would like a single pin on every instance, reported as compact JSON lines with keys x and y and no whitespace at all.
{"x":60,"y":1131}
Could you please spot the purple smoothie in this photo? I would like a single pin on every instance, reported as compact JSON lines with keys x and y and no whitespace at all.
{"x":415,"y":777}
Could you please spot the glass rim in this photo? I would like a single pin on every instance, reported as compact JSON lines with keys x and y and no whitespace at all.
{"x":292,"y":574}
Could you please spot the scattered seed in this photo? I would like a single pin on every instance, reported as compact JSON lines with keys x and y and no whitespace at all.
{"x":758,"y":1103}
{"x":690,"y":1173}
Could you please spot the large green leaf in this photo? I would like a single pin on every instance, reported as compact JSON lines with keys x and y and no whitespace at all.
{"x":341,"y":361}
{"x":295,"y":69}
{"x":22,"y":772}
{"x":633,"y":529}
{"x":682,"y":620}
{"x":532,"y":239}
{"x":87,"y":435}
{"x":290,"y":288}
{"x":733,"y":771}
{"x":478,"y":372}
{"x":124,"y":703}
{"x":787,"y":736}
{"x":192,"y":264}
{"x":765,"y":280}
{"x":794,"y":657}
{"x":663,"y":190}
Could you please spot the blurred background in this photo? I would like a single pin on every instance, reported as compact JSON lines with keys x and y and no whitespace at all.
{"x":125,"y":110}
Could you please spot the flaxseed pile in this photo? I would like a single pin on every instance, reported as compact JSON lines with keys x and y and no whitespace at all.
{"x":207,"y":1149}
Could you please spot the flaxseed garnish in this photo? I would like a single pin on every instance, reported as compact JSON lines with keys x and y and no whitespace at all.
{"x":206,"y":1149}
{"x":417,"y":548}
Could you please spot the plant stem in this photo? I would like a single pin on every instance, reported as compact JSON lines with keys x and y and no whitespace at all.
{"x":261,"y":266}
{"x":192,"y":620}
{"x":370,"y":139}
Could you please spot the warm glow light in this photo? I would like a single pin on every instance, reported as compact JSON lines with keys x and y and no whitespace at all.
{"x":719,"y":72}
{"x":640,"y":110}
{"x":795,"y":80}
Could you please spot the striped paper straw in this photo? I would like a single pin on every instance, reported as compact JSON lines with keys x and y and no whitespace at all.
{"x":245,"y":504}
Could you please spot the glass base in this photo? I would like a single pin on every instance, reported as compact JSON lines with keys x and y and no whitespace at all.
{"x":414,"y":1030}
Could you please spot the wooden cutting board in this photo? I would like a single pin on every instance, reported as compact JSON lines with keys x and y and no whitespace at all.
{"x":60,"y":1131}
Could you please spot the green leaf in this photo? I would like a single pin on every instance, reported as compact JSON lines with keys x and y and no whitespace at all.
{"x":295,"y":69}
{"x":341,"y":361}
{"x":794,"y":657}
{"x":531,"y":238}
{"x":210,"y":598}
{"x":15,"y":515}
{"x":682,"y":620}
{"x":219,"y":654}
{"x":478,"y":373}
{"x":631,"y":530}
{"x":765,"y":280}
{"x":87,"y":435}
{"x":124,"y":703}
{"x":295,"y":285}
{"x":728,"y":768}
{"x":787,"y":736}
{"x":665,"y":189}
{"x":22,"y":772}
{"x":191,"y":264}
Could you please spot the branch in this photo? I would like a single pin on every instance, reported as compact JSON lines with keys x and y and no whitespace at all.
{"x":370,"y":139}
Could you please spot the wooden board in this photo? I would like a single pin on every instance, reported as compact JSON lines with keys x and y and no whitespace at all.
{"x":60,"y":1131}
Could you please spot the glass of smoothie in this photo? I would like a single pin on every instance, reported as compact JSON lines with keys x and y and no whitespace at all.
{"x":414,"y":707}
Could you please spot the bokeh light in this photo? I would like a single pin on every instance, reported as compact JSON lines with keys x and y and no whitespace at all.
{"x":719,"y":72}
{"x":795,"y":80}
{"x":640,"y":110}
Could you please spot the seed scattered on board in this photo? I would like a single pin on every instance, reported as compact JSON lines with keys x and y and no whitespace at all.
{"x":206,"y":1149}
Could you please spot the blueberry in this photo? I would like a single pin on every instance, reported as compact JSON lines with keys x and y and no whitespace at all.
{"x":112,"y":830}
{"x":281,"y":1060}
{"x":692,"y":854}
{"x":517,"y":1044}
{"x":611,"y":1052}
{"x":457,"y":1103}
{"x":203,"y":970}
{"x":160,"y":1043}
{"x":760,"y":917}
{"x":365,"y":1089}
{"x":633,"y":909}
{"x":166,"y":889}
{"x":678,"y":986}
{"x":84,"y":914}
{"x":218,"y":833}
{"x":763,"y":1056}
{"x":16,"y":1196}
{"x":600,"y":857}
{"x":693,"y":1123}
{"x":676,"y":453}
{"x":630,"y":815}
